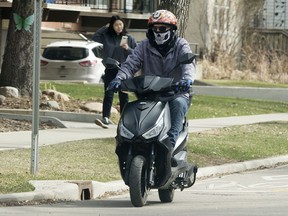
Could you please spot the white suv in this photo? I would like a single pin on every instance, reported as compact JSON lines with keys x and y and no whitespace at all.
{"x":75,"y":60}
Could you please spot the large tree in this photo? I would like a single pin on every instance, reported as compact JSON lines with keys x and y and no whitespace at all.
{"x":181,"y":10}
{"x":17,"y":67}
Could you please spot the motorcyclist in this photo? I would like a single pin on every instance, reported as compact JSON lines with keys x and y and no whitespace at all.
{"x":157,"y":55}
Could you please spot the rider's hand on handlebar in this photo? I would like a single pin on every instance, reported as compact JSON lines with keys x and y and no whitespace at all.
{"x":183,"y":85}
{"x":114,"y":85}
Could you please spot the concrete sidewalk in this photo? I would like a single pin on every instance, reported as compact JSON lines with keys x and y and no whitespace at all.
{"x":77,"y":130}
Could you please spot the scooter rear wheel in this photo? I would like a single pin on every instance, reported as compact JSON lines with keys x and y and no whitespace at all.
{"x":138,"y":181}
{"x":166,"y":195}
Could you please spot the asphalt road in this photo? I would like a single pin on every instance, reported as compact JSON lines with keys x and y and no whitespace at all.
{"x":259,"y":193}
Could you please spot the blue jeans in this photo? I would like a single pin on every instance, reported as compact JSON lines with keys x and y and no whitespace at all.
{"x":178,"y":110}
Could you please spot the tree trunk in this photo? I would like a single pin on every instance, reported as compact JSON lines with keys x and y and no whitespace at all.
{"x":180,"y":9}
{"x":17,"y":67}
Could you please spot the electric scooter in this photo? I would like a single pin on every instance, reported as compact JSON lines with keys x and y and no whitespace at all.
{"x":143,"y":147}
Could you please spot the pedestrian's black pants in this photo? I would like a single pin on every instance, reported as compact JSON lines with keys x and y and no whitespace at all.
{"x":110,"y":74}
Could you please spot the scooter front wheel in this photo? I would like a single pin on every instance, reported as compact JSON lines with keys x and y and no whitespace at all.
{"x":138,"y":181}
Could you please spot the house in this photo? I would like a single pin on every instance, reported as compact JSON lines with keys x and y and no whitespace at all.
{"x":83,"y":16}
{"x":218,"y":24}
{"x":212,"y":24}
{"x":272,"y":25}
{"x":274,"y":15}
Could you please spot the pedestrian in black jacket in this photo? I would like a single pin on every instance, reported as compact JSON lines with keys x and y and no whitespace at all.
{"x":110,"y":36}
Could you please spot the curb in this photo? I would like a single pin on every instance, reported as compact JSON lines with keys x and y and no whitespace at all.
{"x":69,"y":191}
{"x":47,"y":119}
{"x":51,"y":190}
{"x":58,"y":116}
{"x":242,"y":166}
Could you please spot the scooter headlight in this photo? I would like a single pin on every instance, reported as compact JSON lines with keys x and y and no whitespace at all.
{"x":153,"y":132}
{"x":124,"y":132}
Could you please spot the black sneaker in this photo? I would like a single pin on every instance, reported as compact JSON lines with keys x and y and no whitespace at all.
{"x":102,"y":123}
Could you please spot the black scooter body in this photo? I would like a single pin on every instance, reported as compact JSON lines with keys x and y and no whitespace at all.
{"x":142,"y":115}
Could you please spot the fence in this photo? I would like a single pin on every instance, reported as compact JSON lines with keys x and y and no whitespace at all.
{"x":271,"y":39}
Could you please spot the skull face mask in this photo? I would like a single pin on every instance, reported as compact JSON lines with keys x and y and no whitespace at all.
{"x":161,"y":38}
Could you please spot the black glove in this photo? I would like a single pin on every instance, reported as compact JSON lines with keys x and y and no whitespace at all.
{"x":183,"y":85}
{"x":114,"y":85}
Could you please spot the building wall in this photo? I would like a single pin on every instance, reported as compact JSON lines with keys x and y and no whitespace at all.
{"x":275,"y":14}
{"x":215,"y":24}
{"x":196,"y":27}
{"x":211,"y":20}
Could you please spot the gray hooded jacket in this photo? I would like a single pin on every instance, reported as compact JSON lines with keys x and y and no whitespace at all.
{"x":147,"y":59}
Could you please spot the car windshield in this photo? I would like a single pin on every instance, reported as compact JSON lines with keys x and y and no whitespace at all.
{"x":65,"y":53}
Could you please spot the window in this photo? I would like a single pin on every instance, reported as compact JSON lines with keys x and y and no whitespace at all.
{"x":65,"y":53}
{"x":221,"y":16}
{"x":98,"y":51}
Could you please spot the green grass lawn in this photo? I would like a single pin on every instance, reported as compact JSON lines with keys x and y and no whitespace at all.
{"x":95,"y":159}
{"x":202,"y":106}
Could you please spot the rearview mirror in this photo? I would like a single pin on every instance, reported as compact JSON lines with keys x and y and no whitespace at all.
{"x":187,"y":58}
{"x":111,"y":63}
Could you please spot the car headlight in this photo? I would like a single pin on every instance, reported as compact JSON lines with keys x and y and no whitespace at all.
{"x":153,"y":132}
{"x":124,"y":132}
